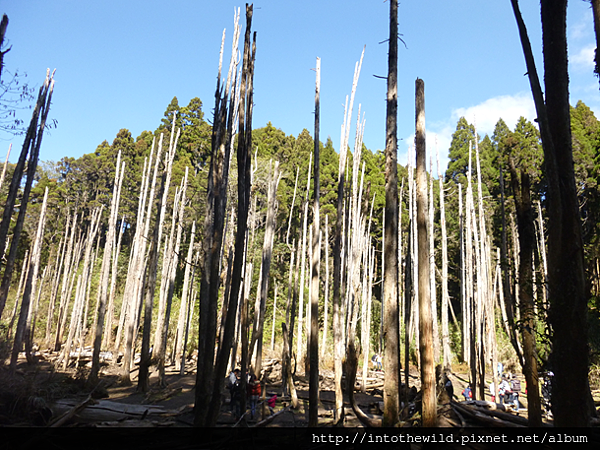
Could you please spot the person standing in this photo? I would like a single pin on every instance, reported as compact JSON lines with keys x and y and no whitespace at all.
{"x":504,"y":390}
{"x":515,"y":387}
{"x":253,"y":391}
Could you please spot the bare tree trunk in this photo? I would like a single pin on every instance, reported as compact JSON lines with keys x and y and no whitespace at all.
{"x":213,"y":379}
{"x":445,"y":296}
{"x":183,"y":308}
{"x":76,"y":315}
{"x":428,"y":384}
{"x":5,"y":161}
{"x":300,"y":342}
{"x":105,"y":269}
{"x":510,"y":304}
{"x":287,"y":366}
{"x":338,"y":262}
{"x":432,"y":268}
{"x":149,"y":271}
{"x":326,"y":306}
{"x":133,"y":286}
{"x":66,"y":285}
{"x":60,"y":257}
{"x":313,"y":417}
{"x":390,"y":252}
{"x":566,"y":282}
{"x":23,"y":325}
{"x":286,"y":351}
{"x":31,"y":146}
{"x":521,"y":193}
{"x":274,"y":318}
{"x":267,"y":255}
{"x":31,"y":333}
{"x":107,"y":336}
{"x":170,"y":288}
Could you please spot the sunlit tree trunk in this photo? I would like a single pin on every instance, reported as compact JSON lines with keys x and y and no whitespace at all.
{"x":105,"y":269}
{"x":313,"y":416}
{"x":24,"y":325}
{"x":31,"y":147}
{"x":390,"y":252}
{"x":428,"y":384}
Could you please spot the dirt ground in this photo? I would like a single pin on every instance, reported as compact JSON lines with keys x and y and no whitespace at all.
{"x":177,"y":398}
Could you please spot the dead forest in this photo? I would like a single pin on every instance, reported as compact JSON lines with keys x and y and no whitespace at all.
{"x":359,"y":290}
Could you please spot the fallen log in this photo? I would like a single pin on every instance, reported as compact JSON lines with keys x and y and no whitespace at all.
{"x":491,"y":418}
{"x":270,"y":419}
{"x":63,"y":418}
{"x":107,"y":411}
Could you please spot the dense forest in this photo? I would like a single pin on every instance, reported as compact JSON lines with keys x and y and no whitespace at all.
{"x":204,"y":245}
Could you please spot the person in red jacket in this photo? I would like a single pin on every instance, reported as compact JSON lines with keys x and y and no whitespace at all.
{"x":253,"y":391}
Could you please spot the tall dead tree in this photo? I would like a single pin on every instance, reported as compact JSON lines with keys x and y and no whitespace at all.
{"x":313,"y":416}
{"x":300,"y":341}
{"x":566,"y":277}
{"x":521,"y":187}
{"x":179,"y":348}
{"x":338,"y":262}
{"x":209,"y":396}
{"x":267,"y":255}
{"x":23,"y":325}
{"x":214,"y":230}
{"x":390,"y":252}
{"x":105,"y":269}
{"x":428,"y":384}
{"x":31,"y":147}
{"x":173,"y":257}
{"x":446,"y":357}
{"x":75,"y":326}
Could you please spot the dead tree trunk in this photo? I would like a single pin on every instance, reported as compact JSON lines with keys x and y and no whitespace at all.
{"x":55,"y":285}
{"x":521,"y":194}
{"x":77,"y":312}
{"x":390,"y":252}
{"x":209,"y":418}
{"x":23,"y":325}
{"x":300,"y":342}
{"x":179,"y":350}
{"x":432,"y":268}
{"x":31,"y":146}
{"x":428,"y":384}
{"x":150,"y":269}
{"x":257,"y":338}
{"x":313,"y":417}
{"x":445,"y":296}
{"x":5,"y":163}
{"x":105,"y":269}
{"x":213,"y":231}
{"x":64,"y":298}
{"x":170,"y":287}
{"x":566,"y":280}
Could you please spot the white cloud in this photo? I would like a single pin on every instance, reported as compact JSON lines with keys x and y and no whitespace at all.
{"x":484,"y":115}
{"x":582,"y":29}
{"x":584,"y":59}
{"x":508,"y":107}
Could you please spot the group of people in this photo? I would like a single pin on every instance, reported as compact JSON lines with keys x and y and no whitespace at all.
{"x":253,"y":393}
{"x":508,"y":391}
{"x":376,"y":360}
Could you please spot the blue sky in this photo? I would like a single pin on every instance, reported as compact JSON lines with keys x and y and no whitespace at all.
{"x":119,"y":64}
